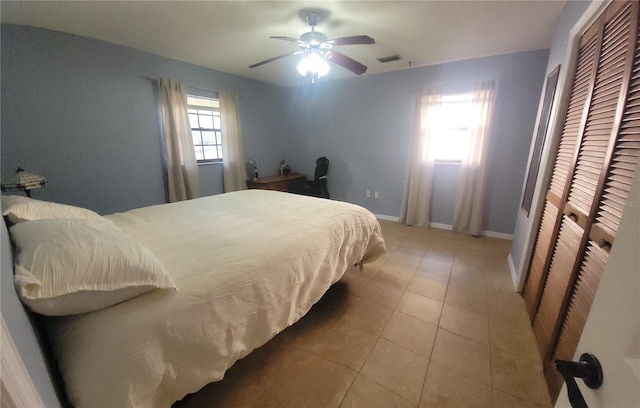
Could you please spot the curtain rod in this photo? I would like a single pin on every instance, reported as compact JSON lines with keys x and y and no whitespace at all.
{"x":446,"y":89}
{"x":463,"y":88}
{"x":188,"y":86}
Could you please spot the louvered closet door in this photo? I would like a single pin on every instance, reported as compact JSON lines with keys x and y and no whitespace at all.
{"x":613,"y":189}
{"x":582,"y":215}
{"x":563,"y":167}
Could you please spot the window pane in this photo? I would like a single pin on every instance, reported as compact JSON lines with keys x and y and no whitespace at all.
{"x":199,"y":154}
{"x":193,"y":100}
{"x":450,"y":144}
{"x":204,"y":118}
{"x":196,"y":137}
{"x":210,"y":152}
{"x":193,"y":119}
{"x":208,"y":138}
{"x":450,"y":129}
{"x":206,"y":121}
{"x":455,"y":112}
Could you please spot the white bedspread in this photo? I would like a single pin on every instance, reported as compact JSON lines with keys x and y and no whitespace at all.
{"x":247,"y":265}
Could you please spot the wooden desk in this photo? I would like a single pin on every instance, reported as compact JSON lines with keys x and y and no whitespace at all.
{"x":278,"y":183}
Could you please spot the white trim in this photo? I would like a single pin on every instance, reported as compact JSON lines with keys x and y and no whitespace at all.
{"x":438,"y":225}
{"x":449,"y":227}
{"x":484,"y":233}
{"x":387,"y":217}
{"x":15,"y":378}
{"x":499,"y":235}
{"x":512,"y":271}
{"x":556,"y":123}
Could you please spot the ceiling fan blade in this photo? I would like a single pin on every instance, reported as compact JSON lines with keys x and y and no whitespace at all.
{"x":285,"y":38}
{"x":274,"y":59}
{"x":346,"y":62}
{"x":354,"y":40}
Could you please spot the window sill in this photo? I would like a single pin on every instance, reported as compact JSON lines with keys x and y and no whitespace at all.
{"x":448,"y":162}
{"x":207,"y":163}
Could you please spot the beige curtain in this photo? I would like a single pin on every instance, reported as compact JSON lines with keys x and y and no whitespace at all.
{"x":417,"y":190}
{"x":469,"y":206}
{"x":235,"y":174}
{"x":182,"y":166}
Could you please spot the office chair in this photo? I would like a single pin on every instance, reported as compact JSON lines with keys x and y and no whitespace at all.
{"x":317,"y":187}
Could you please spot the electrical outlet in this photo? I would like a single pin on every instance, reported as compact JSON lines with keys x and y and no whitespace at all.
{"x":368,"y":193}
{"x":376,"y":194}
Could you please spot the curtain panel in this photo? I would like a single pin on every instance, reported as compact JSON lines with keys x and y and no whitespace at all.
{"x":469,"y":206}
{"x":180,"y":156}
{"x":235,"y":174}
{"x":417,"y":191}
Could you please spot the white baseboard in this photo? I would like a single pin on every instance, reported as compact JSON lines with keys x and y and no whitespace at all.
{"x":449,"y":227}
{"x":499,"y":235}
{"x":387,"y":217}
{"x":441,"y":226}
{"x":512,"y":270}
{"x":488,"y":234}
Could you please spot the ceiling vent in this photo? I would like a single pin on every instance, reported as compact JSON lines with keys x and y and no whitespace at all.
{"x":391,"y":58}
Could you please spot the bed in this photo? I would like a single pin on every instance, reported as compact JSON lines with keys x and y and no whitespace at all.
{"x":242,"y":267}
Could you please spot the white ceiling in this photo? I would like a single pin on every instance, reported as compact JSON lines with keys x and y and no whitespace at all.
{"x":229,"y":36}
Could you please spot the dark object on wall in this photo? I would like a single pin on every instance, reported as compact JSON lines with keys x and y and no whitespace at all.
{"x":541,"y":134}
{"x":23,"y":181}
{"x":317,"y":187}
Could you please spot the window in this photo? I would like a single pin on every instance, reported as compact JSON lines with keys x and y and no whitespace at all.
{"x":204,"y":116}
{"x":450,"y":130}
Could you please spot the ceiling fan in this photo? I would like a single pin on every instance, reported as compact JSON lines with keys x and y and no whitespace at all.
{"x":317,"y":50}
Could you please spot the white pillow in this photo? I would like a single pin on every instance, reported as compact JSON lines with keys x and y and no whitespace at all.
{"x":19,"y":209}
{"x":72,"y":266}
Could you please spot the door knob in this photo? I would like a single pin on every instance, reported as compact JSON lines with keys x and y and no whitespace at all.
{"x":588,"y":368}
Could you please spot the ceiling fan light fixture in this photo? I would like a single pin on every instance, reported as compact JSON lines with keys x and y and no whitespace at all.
{"x":317,"y":50}
{"x":313,"y":64}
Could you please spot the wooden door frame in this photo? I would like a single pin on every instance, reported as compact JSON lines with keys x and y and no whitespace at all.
{"x":556,"y":122}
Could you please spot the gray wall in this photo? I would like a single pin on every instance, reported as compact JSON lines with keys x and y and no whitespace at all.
{"x":363,"y":125}
{"x":520,"y":252}
{"x":82,"y":113}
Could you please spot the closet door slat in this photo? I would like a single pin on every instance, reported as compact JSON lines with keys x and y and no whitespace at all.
{"x":568,"y":141}
{"x":607,"y":92}
{"x":536,"y":270}
{"x":576,"y":317}
{"x":625,"y":157}
{"x":564,"y":256}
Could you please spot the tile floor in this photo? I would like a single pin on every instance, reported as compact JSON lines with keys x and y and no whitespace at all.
{"x":434,"y":323}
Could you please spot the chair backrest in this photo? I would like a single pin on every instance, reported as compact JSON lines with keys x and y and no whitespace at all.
{"x":322,"y":167}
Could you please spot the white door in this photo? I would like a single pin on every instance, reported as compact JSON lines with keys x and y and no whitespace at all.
{"x":612,"y":332}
